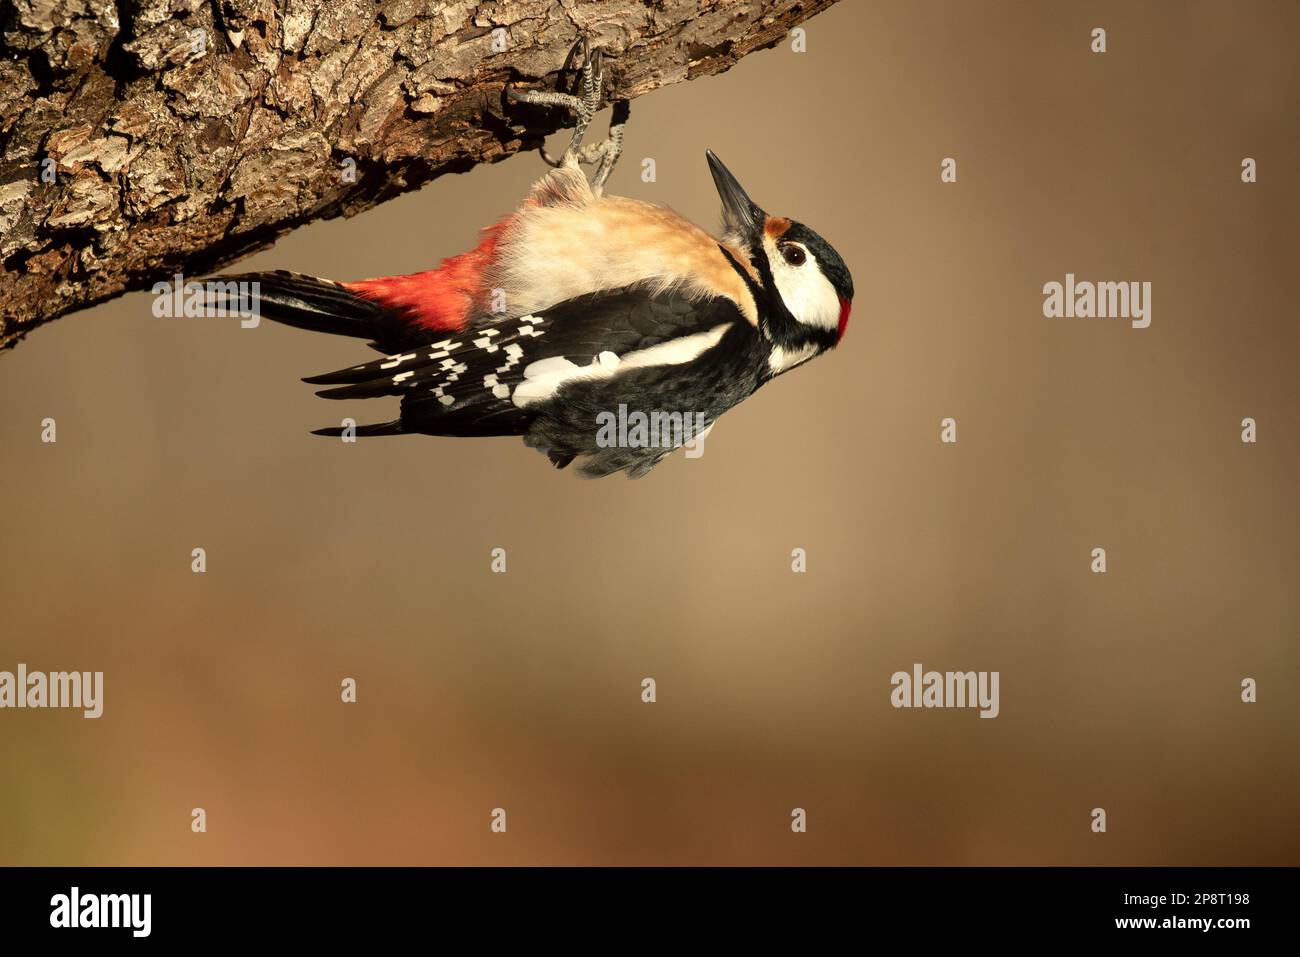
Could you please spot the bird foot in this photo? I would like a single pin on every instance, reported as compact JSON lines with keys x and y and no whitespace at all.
{"x":583,"y":104}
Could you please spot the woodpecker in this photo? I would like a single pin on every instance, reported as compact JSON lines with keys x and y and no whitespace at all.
{"x":578,"y":304}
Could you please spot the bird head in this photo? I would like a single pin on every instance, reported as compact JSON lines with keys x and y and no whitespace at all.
{"x":804,"y":288}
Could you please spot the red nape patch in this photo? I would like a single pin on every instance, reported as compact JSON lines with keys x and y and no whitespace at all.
{"x":439,"y":300}
{"x":845,"y":308}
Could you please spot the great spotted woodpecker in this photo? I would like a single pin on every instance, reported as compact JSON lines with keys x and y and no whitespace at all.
{"x":578,"y":304}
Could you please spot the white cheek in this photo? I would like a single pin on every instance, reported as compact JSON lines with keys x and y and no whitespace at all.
{"x":808,"y":294}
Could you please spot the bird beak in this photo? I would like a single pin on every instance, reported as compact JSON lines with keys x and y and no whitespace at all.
{"x":739,"y":213}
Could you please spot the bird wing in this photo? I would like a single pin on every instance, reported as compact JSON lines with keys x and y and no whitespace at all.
{"x":492,"y":381}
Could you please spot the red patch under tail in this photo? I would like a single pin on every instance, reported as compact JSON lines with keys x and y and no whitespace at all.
{"x":439,"y":300}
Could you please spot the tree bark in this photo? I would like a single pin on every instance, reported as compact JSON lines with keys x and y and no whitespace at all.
{"x":147,"y":137}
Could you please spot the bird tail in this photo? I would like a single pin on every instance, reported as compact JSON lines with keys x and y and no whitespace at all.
{"x":316,"y":304}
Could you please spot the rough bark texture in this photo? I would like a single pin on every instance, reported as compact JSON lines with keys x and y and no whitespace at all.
{"x":145,"y":137}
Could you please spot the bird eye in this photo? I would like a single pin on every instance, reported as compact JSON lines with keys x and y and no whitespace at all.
{"x":794,"y":255}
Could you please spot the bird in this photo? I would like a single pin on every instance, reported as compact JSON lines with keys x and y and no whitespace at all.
{"x":578,"y":305}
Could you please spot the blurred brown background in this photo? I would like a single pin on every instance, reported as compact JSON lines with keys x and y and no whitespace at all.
{"x":522,"y":690}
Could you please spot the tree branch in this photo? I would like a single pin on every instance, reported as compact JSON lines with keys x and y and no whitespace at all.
{"x":148,"y":137}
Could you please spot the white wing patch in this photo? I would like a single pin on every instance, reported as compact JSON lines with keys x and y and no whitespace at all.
{"x":514,"y":352}
{"x":443,"y":349}
{"x":449,"y":370}
{"x":451,"y":373}
{"x":543,"y":378}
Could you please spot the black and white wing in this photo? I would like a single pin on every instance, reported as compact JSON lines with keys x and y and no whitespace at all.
{"x":499,"y":380}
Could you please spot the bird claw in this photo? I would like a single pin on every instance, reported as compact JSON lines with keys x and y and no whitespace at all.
{"x":582,"y":104}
